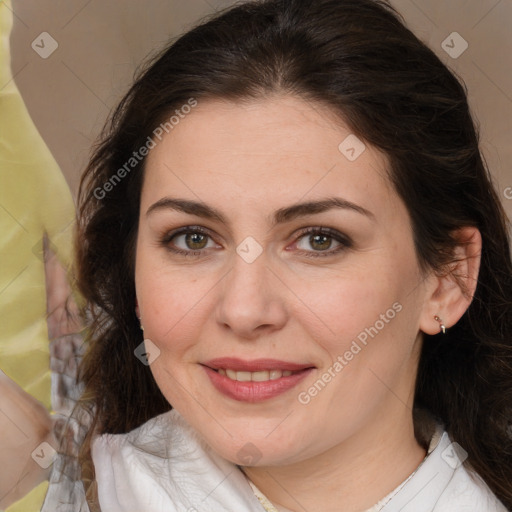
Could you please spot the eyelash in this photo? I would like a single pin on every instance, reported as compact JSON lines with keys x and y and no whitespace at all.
{"x":167,"y":238}
{"x":344,"y":241}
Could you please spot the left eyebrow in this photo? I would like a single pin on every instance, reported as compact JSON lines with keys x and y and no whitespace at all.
{"x":280,"y":216}
{"x":311,"y":207}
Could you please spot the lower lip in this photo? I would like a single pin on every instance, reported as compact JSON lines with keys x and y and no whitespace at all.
{"x":253,"y":392}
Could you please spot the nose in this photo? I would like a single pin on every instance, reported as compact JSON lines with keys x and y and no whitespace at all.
{"x":252,"y":300}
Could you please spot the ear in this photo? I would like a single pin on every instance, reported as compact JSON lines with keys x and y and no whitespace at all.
{"x":450,"y":294}
{"x":137,"y":310}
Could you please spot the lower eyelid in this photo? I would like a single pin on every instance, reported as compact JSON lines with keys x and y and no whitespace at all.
{"x":319,"y":254}
{"x":328,"y":252}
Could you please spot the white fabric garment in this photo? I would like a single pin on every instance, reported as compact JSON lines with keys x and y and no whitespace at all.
{"x":165,"y":466}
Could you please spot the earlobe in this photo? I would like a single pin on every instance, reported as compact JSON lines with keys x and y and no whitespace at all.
{"x":452,"y":292}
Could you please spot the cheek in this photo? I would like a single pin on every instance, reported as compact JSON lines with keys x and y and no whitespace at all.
{"x":367,"y":333}
{"x":170,"y":300}
{"x":173,"y":311}
{"x":341,"y":306}
{"x":363,"y":319}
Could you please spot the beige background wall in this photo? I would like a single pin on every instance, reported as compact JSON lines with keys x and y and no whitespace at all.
{"x":100,"y":42}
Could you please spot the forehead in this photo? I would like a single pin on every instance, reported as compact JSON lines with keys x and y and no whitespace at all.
{"x":279,"y":149}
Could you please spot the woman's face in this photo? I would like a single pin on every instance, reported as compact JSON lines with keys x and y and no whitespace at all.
{"x":276,"y":343}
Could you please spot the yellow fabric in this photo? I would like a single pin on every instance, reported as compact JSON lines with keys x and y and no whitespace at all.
{"x":32,"y":502}
{"x":34,"y":200}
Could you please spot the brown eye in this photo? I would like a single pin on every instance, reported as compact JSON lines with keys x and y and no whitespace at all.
{"x":196,"y":240}
{"x":188,"y":241}
{"x":320,"y":242}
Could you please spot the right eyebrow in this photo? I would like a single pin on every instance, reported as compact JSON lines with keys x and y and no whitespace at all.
{"x":187,"y":206}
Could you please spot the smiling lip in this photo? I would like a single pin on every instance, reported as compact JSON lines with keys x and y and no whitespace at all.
{"x":253,"y":391}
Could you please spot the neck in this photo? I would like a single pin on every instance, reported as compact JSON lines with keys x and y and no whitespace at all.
{"x":357,"y":473}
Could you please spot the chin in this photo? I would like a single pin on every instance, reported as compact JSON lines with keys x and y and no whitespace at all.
{"x":246,"y":448}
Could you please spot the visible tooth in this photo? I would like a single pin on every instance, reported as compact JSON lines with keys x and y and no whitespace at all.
{"x":260,"y":376}
{"x":275,"y":374}
{"x":243,"y":376}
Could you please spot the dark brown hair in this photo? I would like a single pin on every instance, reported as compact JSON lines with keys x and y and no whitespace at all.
{"x":358,"y":58}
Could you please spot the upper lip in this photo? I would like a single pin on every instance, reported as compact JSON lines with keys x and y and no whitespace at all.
{"x":254,"y":365}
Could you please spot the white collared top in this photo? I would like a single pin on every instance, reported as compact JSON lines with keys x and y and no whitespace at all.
{"x":165,"y":466}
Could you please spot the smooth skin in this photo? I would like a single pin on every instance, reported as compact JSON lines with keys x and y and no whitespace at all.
{"x":300,"y":300}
